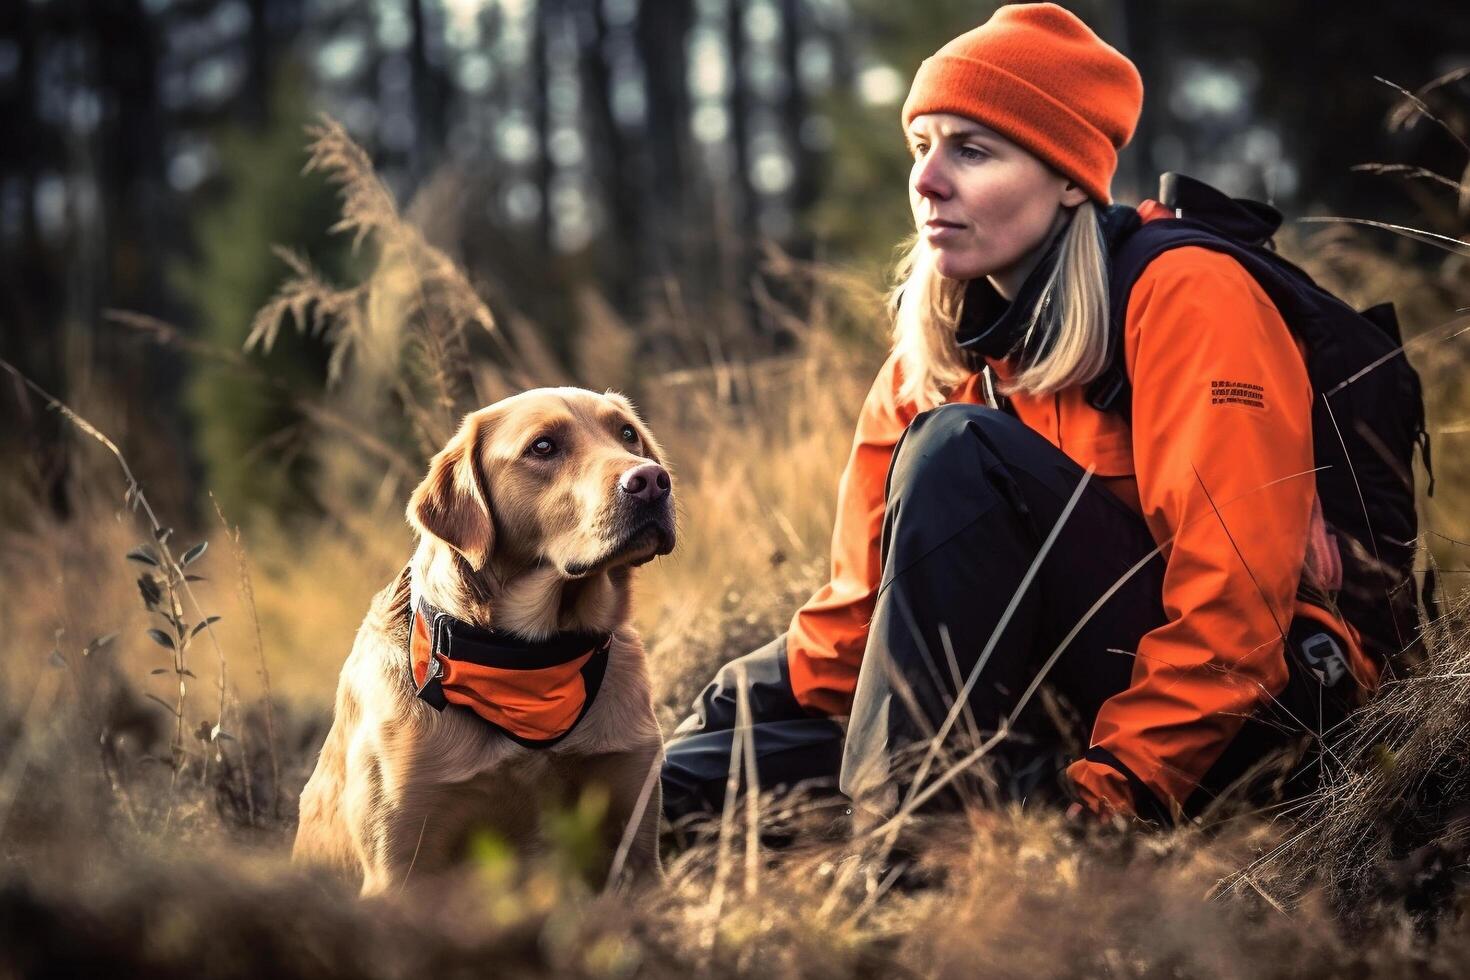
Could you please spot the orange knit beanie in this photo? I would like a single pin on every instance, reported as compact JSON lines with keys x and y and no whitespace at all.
{"x":1040,"y":77}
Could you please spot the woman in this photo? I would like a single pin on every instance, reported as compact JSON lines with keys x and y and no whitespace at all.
{"x":975,"y":548}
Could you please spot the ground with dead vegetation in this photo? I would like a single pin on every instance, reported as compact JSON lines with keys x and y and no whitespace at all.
{"x":151,"y":754}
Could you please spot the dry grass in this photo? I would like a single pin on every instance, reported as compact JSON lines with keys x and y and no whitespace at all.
{"x":120,"y":846}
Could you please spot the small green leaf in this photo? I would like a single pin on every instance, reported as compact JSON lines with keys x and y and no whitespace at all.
{"x":201,"y":625}
{"x":161,"y":638}
{"x":192,"y":555}
{"x":150,"y":590}
{"x":220,"y":735}
{"x":195,"y":578}
{"x":1383,"y":757}
{"x":161,"y":670}
{"x":143,"y":555}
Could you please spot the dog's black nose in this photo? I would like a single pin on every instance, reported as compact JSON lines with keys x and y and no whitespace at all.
{"x":647,"y":481}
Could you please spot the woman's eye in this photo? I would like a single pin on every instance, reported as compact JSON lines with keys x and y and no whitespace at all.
{"x":543,"y":447}
{"x":918,"y":149}
{"x":629,"y":435}
{"x":973,"y":153}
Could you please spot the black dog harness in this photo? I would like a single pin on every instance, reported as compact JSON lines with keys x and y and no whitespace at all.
{"x":534,"y":693}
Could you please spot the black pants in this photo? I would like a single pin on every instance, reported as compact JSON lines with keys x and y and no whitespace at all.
{"x":972,"y":496}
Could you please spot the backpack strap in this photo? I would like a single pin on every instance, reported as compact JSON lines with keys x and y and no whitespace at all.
{"x":1203,"y":216}
{"x":1112,"y":391}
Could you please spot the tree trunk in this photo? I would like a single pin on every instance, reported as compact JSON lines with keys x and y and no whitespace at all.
{"x":662,"y":32}
{"x":623,"y":239}
{"x":257,"y":66}
{"x":428,"y":93}
{"x":1137,"y":23}
{"x":744,"y":214}
{"x":793,"y":115}
{"x":541,"y":116}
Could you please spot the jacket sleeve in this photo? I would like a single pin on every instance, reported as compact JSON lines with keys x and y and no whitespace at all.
{"x":824,"y":645}
{"x":1221,"y":409}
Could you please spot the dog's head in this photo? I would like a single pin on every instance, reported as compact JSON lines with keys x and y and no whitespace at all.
{"x":558,"y":477}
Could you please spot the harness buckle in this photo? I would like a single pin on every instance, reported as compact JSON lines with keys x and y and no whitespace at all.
{"x":431,"y":690}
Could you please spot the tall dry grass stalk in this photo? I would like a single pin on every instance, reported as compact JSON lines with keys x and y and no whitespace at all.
{"x":267,"y":697}
{"x":402,"y":328}
{"x":164,"y":587}
{"x":1394,"y":813}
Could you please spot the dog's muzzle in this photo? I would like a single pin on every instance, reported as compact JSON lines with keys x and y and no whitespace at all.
{"x":533,"y":693}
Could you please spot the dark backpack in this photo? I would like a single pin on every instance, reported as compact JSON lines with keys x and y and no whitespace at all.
{"x":1367,"y":417}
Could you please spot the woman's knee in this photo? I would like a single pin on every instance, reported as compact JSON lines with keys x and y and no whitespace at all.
{"x":944,"y":445}
{"x":956,"y":419}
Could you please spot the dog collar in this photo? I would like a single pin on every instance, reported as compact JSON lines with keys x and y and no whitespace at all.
{"x":534,"y":693}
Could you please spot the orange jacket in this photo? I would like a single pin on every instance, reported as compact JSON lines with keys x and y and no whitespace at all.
{"x":1198,"y":331}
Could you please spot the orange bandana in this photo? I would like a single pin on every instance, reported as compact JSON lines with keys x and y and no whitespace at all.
{"x":533,"y":693}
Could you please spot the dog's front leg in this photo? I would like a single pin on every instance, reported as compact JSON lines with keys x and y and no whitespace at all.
{"x":389,"y":808}
{"x":635,"y":801}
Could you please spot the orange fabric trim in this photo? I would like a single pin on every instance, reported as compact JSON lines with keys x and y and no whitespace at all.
{"x":531,"y":704}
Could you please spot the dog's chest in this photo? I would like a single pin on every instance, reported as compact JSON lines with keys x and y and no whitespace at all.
{"x":528,"y":783}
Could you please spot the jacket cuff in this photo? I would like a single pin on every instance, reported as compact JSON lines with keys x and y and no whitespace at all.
{"x":1106,"y":786}
{"x":1101,"y":789}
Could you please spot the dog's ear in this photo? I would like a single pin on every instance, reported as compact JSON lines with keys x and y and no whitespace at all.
{"x":453,"y":502}
{"x":651,"y":448}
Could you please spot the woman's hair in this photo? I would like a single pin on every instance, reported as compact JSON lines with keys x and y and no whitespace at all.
{"x":1066,"y":342}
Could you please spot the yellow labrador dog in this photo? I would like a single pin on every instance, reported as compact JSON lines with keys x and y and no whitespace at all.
{"x":499,"y":675}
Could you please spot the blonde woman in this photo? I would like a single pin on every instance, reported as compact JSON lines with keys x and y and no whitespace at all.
{"x":996,"y":531}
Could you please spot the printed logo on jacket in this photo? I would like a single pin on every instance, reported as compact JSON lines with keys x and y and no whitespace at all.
{"x":1237,"y":393}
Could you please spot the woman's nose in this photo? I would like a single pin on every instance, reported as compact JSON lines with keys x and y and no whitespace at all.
{"x":929,"y":179}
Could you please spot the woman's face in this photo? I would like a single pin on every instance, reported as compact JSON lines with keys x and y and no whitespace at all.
{"x":982,"y":202}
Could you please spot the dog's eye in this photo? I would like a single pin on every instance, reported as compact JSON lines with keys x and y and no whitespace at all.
{"x":629,"y":434}
{"x":542,"y":447}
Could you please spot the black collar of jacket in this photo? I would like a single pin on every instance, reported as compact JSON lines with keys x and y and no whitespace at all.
{"x":458,"y":640}
{"x":994,"y":327}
